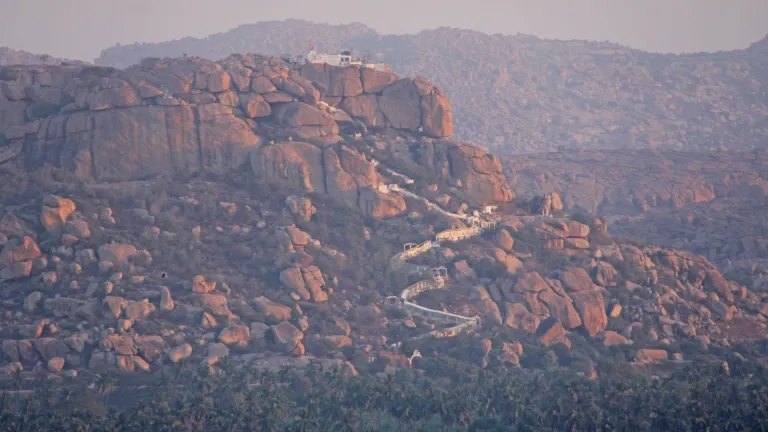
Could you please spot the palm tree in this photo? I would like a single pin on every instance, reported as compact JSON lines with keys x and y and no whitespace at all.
{"x":105,"y":385}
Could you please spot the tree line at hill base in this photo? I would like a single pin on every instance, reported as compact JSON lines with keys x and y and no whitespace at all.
{"x":700,"y":398}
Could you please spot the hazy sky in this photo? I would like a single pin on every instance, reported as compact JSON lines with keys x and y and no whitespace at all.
{"x":80,"y":29}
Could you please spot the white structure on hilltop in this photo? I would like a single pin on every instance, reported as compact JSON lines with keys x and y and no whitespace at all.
{"x":343,"y":59}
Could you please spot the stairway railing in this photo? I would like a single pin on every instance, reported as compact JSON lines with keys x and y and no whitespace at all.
{"x":439,"y":274}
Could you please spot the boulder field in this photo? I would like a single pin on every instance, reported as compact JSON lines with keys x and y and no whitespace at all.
{"x":189,"y":115}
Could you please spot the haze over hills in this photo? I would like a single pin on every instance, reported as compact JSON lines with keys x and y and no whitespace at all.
{"x":517,"y":94}
{"x":212,"y":221}
{"x":10,"y":56}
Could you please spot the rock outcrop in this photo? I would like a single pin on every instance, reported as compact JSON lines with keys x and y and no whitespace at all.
{"x":522,"y":94}
{"x":190,"y":115}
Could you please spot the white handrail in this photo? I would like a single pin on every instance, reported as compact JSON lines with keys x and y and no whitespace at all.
{"x":411,"y":250}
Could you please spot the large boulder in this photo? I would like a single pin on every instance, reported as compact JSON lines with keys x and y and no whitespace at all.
{"x":117,"y":253}
{"x":381,"y":205}
{"x":517,"y":316}
{"x":254,"y":105}
{"x":300,"y":207}
{"x":649,"y":356}
{"x":400,"y":103}
{"x":576,"y":279}
{"x":490,"y":311}
{"x":235,"y":335}
{"x":504,"y":240}
{"x":530,"y":282}
{"x":298,"y":114}
{"x":215,"y":304}
{"x":288,"y":338}
{"x":272,"y":310}
{"x":293,"y":279}
{"x":561,"y":307}
{"x":437,"y":115}
{"x":314,"y":282}
{"x":55,"y":212}
{"x":364,"y":108}
{"x":375,"y":81}
{"x":16,"y":271}
{"x":478,"y":172}
{"x":335,"y":81}
{"x":591,"y":307}
{"x":137,"y":142}
{"x":18,"y":250}
{"x":114,"y":93}
{"x":551,"y":332}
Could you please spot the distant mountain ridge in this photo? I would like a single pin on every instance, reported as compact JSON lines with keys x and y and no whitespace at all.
{"x":520,"y":94}
{"x":10,"y":57}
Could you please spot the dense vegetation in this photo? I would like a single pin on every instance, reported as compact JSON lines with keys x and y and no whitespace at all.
{"x":712,"y":399}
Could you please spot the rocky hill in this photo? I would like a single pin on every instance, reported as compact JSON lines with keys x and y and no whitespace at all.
{"x":183,"y":211}
{"x":708,"y":203}
{"x":10,"y":56}
{"x":519,"y":94}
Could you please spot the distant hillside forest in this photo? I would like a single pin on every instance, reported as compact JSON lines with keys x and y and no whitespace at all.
{"x":517,"y":94}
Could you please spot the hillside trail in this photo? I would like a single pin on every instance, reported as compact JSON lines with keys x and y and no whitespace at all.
{"x":438,"y":276}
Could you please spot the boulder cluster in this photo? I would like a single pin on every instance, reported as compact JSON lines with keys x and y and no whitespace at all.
{"x":82,"y":303}
{"x":188,"y":115}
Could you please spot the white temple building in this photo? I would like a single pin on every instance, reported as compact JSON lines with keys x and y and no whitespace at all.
{"x":343,"y":59}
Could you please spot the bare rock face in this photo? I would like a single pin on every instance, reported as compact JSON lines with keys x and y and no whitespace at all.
{"x":561,"y":307}
{"x":255,"y":106}
{"x":366,"y":109}
{"x":180,"y":353}
{"x":235,"y":335}
{"x":518,"y":317}
{"x":652,"y":355}
{"x":591,"y":307}
{"x":18,"y":250}
{"x":342,"y":173}
{"x":551,"y":332}
{"x":479,"y":173}
{"x":436,"y":114}
{"x":301,"y":164}
{"x":314,"y":282}
{"x":531,"y":282}
{"x":215,"y":304}
{"x":334,"y":81}
{"x":16,"y":271}
{"x":504,"y":240}
{"x":400,"y":103}
{"x":375,"y":81}
{"x":300,"y":207}
{"x":114,"y":306}
{"x":200,"y":285}
{"x":576,"y":279}
{"x":189,"y":115}
{"x":139,"y":310}
{"x":288,"y":338}
{"x":380,"y":205}
{"x":293,"y":280}
{"x":55,"y":212}
{"x":305,"y":120}
{"x":490,"y":311}
{"x":117,"y":253}
{"x":611,"y":338}
{"x":166,"y":301}
{"x":272,"y":310}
